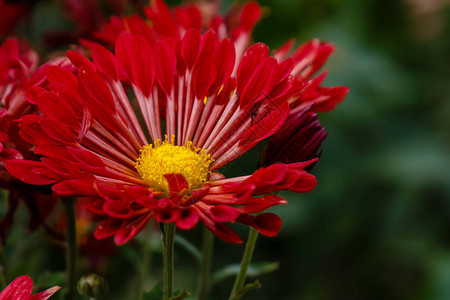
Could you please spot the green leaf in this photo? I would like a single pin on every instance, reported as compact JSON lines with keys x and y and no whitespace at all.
{"x":254,"y":270}
{"x":189,"y":247}
{"x":182,"y":295}
{"x":156,"y":293}
{"x":249,"y":286}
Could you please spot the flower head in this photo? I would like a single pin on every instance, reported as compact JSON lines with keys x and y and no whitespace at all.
{"x":21,"y":288}
{"x":203,"y":102}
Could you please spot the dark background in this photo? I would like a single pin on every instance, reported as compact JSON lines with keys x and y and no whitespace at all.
{"x":378,"y":224}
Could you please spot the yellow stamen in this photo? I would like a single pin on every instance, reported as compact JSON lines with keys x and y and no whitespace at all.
{"x":220,"y":90}
{"x":164,"y":157}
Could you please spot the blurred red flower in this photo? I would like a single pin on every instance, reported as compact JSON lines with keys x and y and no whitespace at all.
{"x":10,"y":15}
{"x":18,"y":72}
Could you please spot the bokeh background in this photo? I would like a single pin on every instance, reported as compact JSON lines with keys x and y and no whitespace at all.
{"x":378,"y":224}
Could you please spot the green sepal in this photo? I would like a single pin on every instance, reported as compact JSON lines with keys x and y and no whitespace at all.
{"x":249,"y":286}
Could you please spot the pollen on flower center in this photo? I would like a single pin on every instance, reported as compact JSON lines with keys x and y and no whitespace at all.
{"x":163,"y":157}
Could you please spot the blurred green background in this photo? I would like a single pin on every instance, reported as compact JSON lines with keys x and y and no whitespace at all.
{"x":378,"y":224}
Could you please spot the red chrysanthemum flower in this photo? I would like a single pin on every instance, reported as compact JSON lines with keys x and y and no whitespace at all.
{"x":204,"y":102}
{"x":18,"y":72}
{"x":21,"y":289}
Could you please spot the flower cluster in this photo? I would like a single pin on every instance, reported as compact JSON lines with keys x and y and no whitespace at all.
{"x":142,"y":129}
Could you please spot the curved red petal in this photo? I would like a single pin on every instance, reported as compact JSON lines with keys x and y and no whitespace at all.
{"x":75,"y":187}
{"x":224,"y":213}
{"x":190,"y":45}
{"x":268,"y":224}
{"x":44,"y":295}
{"x":19,"y":289}
{"x":31,"y":172}
{"x":107,"y":228}
{"x":187,"y":219}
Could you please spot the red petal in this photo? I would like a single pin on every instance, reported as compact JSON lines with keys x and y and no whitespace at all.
{"x":162,"y":19}
{"x":87,"y":159}
{"x":225,"y":233}
{"x":203,"y":77}
{"x":268,"y":224}
{"x":189,"y":17}
{"x":19,"y":289}
{"x":190,"y":45}
{"x":224,"y":213}
{"x":56,"y":107}
{"x":187,"y":219}
{"x":256,"y":205}
{"x":259,"y":81}
{"x":266,"y":120}
{"x":31,"y":172}
{"x":105,"y":61}
{"x":31,"y":131}
{"x":98,"y":98}
{"x":165,"y":68}
{"x":94,"y":87}
{"x":124,"y":235}
{"x":306,"y":183}
{"x":251,"y":59}
{"x":75,"y":187}
{"x":273,"y":174}
{"x":107,"y":228}
{"x":224,"y":59}
{"x":44,"y":295}
{"x":136,"y":57}
{"x":79,"y":60}
{"x":117,"y":209}
{"x":57,"y":130}
{"x":33,"y":93}
{"x":167,"y":215}
{"x":61,"y":76}
{"x":250,"y":15}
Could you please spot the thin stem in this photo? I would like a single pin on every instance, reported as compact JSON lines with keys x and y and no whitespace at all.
{"x":71,"y":250}
{"x":205,"y":265}
{"x":168,"y":241}
{"x":246,"y":259}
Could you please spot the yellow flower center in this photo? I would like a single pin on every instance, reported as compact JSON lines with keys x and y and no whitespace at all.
{"x":163,"y":157}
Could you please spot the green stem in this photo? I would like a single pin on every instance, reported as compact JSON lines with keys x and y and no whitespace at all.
{"x":168,"y":241}
{"x":246,"y":259}
{"x":71,"y":250}
{"x":205,"y":265}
